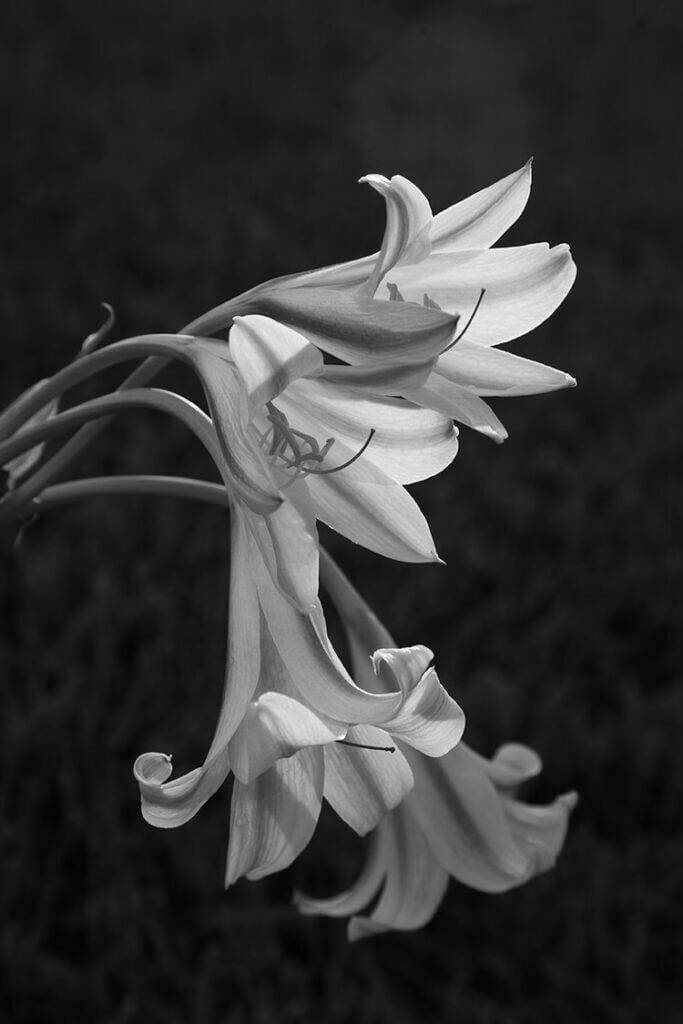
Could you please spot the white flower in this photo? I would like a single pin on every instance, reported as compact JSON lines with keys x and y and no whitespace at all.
{"x":461,"y":299}
{"x":287,"y":704}
{"x":461,"y":818}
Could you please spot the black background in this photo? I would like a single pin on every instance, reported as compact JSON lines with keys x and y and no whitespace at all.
{"x":167,"y":155}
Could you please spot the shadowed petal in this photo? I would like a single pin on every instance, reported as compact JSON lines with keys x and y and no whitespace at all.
{"x":273,"y":818}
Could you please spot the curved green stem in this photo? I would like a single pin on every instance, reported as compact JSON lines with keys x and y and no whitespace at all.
{"x":144,"y":373}
{"x":99,"y":408}
{"x":163,"y":486}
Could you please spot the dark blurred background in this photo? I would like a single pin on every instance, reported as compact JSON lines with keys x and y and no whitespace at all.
{"x":164,"y":156}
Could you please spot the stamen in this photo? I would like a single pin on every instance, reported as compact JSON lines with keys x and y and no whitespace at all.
{"x":394,"y":293}
{"x":472,"y":316}
{"x":367,"y":746}
{"x":344,"y":465}
{"x":430,"y":304}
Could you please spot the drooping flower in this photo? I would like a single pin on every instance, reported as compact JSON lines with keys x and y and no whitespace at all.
{"x":462,"y":817}
{"x":422,"y":317}
{"x":294,"y":726}
{"x":296,"y":449}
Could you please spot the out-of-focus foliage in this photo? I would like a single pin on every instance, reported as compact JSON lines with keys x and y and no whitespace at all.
{"x":163,"y":156}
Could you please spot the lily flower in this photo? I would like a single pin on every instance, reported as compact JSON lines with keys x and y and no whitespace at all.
{"x":444,"y":273}
{"x":297,"y":448}
{"x":462,"y":817}
{"x":294,"y":727}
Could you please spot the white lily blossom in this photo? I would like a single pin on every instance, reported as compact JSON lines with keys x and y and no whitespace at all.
{"x":289,"y":709}
{"x":462,"y":817}
{"x":460,"y":299}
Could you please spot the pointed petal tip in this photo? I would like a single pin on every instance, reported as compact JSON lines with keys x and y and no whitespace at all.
{"x":571,"y":382}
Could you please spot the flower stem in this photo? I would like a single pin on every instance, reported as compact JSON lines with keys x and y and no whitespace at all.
{"x":99,"y":408}
{"x":164,"y":486}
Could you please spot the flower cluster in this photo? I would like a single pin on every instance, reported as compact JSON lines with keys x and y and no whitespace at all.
{"x":334,"y":389}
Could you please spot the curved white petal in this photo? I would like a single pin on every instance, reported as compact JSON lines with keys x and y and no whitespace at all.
{"x":460,"y":403}
{"x":409,"y":217}
{"x":168,"y":804}
{"x":477,"y":833}
{"x":273,"y":818}
{"x":523,"y":286}
{"x":269,"y":355}
{"x":408,"y":444}
{"x":384,"y":519}
{"x":429,"y":719}
{"x":277,"y":726}
{"x":404,"y":666}
{"x":478,"y":221}
{"x":493,"y":371}
{"x":415,"y":882}
{"x":312,"y":663}
{"x":364,"y":889}
{"x":362,"y":784}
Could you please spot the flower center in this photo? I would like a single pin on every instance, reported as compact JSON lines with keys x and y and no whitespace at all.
{"x":296,"y":450}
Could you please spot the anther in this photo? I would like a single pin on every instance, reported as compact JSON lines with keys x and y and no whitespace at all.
{"x":367,"y":746}
{"x":474,"y":312}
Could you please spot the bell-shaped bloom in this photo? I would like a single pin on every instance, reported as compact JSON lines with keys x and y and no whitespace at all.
{"x":297,"y":447}
{"x":294,"y":727}
{"x":422,"y":317}
{"x":462,"y":818}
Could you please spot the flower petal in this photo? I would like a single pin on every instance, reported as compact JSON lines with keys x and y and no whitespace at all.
{"x":288,"y":543}
{"x":477,"y":833}
{"x":359,"y":329}
{"x":273,"y":818}
{"x":460,"y":403}
{"x":478,"y":221}
{"x":245,"y":470}
{"x":405,"y":666}
{"x":378,"y":379}
{"x":313,"y":663}
{"x":168,"y":804}
{"x":384,"y":519}
{"x":493,"y":371}
{"x":409,"y":218}
{"x":277,"y":726}
{"x":408,"y":444}
{"x":429,"y":719}
{"x":269,"y":356}
{"x":415,"y":882}
{"x":364,"y":889}
{"x":523,"y":286}
{"x":362,"y":784}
